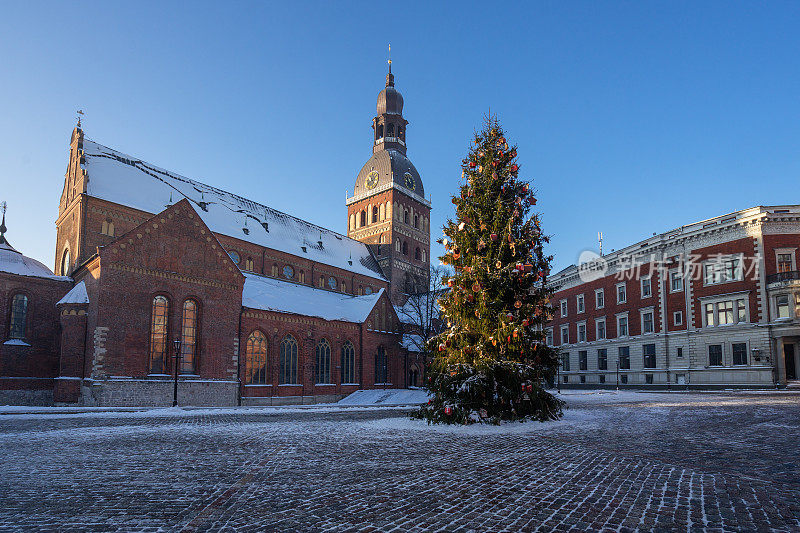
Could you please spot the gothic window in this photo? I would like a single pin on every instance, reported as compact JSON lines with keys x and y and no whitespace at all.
{"x":424,"y":256}
{"x":344,"y":287}
{"x":397,"y":245}
{"x":405,"y":248}
{"x":256,"y":359}
{"x":417,"y":254}
{"x":323,"y":367}
{"x":352,"y":222}
{"x":189,"y":337}
{"x":381,"y":370}
{"x":363,"y":218}
{"x":388,"y":209}
{"x":390,"y":130}
{"x":382,"y":238}
{"x":322,"y":282}
{"x":380,"y":131}
{"x":275,"y":269}
{"x":405,"y":216}
{"x":374,"y":213}
{"x":301,"y":277}
{"x":248,"y":264}
{"x":65,"y":263}
{"x":158,"y":335}
{"x":348,"y":363}
{"x":416,"y":221}
{"x":382,"y":212}
{"x":288,"y":361}
{"x":19,"y":314}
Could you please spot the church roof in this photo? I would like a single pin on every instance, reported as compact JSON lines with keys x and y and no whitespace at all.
{"x":392,"y":167}
{"x":77,"y":295}
{"x":13,"y":262}
{"x":127,"y":180}
{"x":270,"y":294}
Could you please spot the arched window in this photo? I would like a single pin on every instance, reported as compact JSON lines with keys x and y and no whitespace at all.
{"x":104,"y":228}
{"x":111,"y":229}
{"x":322,"y":282}
{"x":416,"y":221}
{"x":352,"y":222}
{"x":417,"y":254}
{"x":382,"y":238}
{"x":322,"y":372}
{"x":405,"y":216}
{"x":344,"y":286}
{"x":301,"y":277}
{"x":405,"y":248}
{"x":424,"y":256}
{"x":374,"y":213}
{"x":381,"y":370}
{"x":65,"y":263}
{"x":388,"y":209}
{"x":275,"y":269}
{"x":397,"y":245}
{"x":363,"y":218}
{"x":390,"y":130}
{"x":400,"y":132}
{"x":380,"y":131}
{"x":382,"y":211}
{"x":288,"y":361}
{"x":189,"y":337}
{"x":19,"y":315}
{"x":158,"y":335}
{"x":256,"y":359}
{"x":348,"y":363}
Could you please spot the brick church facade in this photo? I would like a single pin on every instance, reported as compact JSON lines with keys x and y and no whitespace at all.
{"x":261,"y":307}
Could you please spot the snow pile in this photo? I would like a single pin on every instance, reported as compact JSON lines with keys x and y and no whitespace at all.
{"x":76,"y":296}
{"x":386,"y":397}
{"x":127,"y":180}
{"x":270,"y":294}
{"x":13,"y":262}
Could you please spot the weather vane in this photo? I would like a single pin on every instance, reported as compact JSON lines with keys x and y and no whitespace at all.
{"x":80,"y":114}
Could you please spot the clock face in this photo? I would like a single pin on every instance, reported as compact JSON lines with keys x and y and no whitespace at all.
{"x":410,"y":181}
{"x":372,"y":179}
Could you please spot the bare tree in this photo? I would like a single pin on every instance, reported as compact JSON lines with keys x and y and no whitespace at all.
{"x":420,"y":314}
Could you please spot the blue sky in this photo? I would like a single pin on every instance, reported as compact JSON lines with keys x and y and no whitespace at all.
{"x":630,"y":117}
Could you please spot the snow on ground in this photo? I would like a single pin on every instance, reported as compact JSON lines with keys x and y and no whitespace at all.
{"x":386,"y":397}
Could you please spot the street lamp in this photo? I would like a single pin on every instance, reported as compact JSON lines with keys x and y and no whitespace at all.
{"x":177,"y":356}
{"x":617,"y":375}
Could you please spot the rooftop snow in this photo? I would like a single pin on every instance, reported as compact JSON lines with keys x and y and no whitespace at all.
{"x":13,"y":262}
{"x":126,"y":180}
{"x":272,"y":294}
{"x":76,"y":296}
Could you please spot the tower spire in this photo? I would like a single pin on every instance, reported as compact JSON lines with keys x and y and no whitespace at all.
{"x":390,"y":76}
{"x":3,"y":224}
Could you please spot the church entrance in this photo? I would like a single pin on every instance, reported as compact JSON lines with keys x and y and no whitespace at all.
{"x":789,"y":358}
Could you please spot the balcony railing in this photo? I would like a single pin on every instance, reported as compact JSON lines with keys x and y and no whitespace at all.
{"x":783,"y":276}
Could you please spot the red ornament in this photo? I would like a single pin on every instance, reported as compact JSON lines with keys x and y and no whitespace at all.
{"x":530,"y":387}
{"x":514,"y":168}
{"x":493,"y":236}
{"x":472,"y":164}
{"x":448,"y":411}
{"x":525,"y":188}
{"x":526,"y":322}
{"x":494,"y":163}
{"x":441,"y":347}
{"x":532,"y":201}
{"x":450,"y":282}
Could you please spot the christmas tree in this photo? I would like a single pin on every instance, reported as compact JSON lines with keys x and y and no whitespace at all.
{"x":491,"y":362}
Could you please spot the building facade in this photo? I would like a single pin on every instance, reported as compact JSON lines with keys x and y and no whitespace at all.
{"x":157,"y":273}
{"x":710,"y":304}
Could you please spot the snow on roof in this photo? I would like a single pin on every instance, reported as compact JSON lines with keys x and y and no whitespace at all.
{"x":412,"y":342}
{"x":126,"y":180}
{"x":280,"y":296}
{"x":13,"y":262}
{"x":75,"y":296}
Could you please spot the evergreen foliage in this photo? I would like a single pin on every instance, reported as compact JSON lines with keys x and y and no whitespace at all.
{"x":490,"y":362}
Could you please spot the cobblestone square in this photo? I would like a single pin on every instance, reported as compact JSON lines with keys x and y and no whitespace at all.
{"x":617,"y":462}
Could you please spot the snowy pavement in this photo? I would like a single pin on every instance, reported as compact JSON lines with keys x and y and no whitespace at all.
{"x":616,"y":462}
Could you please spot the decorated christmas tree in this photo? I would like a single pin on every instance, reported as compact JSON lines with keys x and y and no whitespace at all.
{"x":491,"y":362}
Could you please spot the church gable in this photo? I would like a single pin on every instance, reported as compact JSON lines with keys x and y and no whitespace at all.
{"x":174,"y":242}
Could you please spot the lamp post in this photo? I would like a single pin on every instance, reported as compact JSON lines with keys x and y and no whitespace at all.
{"x":617,"y":375}
{"x":558,"y":377}
{"x":177,"y":356}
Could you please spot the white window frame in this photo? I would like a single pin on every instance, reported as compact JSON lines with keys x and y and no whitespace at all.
{"x":718,"y":265}
{"x":597,"y":322}
{"x":788,"y":306}
{"x":599,"y":294}
{"x":643,"y":312}
{"x":564,"y":309}
{"x":581,"y":324}
{"x":580,"y":303}
{"x":548,"y":337}
{"x":679,"y":278}
{"x":565,"y":328}
{"x":624,"y":292}
{"x":627,"y":324}
{"x":719,"y":298}
{"x":790,"y":251}
{"x":642,"y":281}
{"x":677,"y":318}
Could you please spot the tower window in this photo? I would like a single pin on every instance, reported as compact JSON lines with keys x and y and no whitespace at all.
{"x":374,"y":213}
{"x":189,"y":337}
{"x":417,"y":254}
{"x":397,"y":245}
{"x":405,"y":216}
{"x":65,"y":262}
{"x":390,"y":130}
{"x":380,"y":131}
{"x":405,"y":248}
{"x":158,"y":335}
{"x":19,"y":313}
{"x":363,"y":218}
{"x":416,"y":221}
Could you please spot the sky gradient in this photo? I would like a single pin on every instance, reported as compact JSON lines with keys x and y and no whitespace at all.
{"x":630,"y":117}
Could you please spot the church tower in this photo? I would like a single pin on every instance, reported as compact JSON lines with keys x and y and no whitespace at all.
{"x":388,"y":209}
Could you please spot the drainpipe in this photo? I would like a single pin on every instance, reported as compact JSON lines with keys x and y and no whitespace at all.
{"x":689,"y":319}
{"x":239,"y":360}
{"x":361,"y":355}
{"x":662,"y":289}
